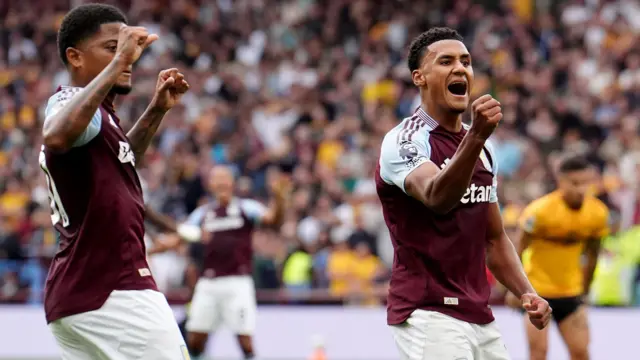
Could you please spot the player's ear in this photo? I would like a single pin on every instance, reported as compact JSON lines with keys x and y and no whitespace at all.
{"x":418,"y":78}
{"x":74,"y":57}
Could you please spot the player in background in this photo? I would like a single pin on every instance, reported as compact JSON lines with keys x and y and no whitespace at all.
{"x":101,"y":301}
{"x":436,"y":180}
{"x":560,"y":238}
{"x":225,"y":293}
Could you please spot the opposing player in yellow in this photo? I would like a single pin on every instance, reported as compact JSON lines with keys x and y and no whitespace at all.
{"x":560,"y":239}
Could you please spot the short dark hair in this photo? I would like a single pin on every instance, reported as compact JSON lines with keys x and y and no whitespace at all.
{"x":422,"y":42}
{"x":573,"y":162}
{"x":83,"y":22}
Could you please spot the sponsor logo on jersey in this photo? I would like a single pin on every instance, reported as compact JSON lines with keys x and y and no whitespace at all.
{"x":477,"y":194}
{"x":474,"y":193}
{"x":214,"y":223}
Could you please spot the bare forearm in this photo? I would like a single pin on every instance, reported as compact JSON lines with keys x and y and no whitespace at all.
{"x":505,"y":265}
{"x":163,"y":222}
{"x":589,"y":269}
{"x":279,"y":205}
{"x":275,"y":216}
{"x":142,"y":132}
{"x":63,"y":128}
{"x":447,"y":187}
{"x":523,"y":242}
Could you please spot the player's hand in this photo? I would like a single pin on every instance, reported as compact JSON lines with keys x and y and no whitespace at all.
{"x":487,"y":113}
{"x":132,"y":40}
{"x":170,"y":87}
{"x":538,"y":310}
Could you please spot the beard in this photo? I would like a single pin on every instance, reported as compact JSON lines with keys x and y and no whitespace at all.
{"x":121,"y":89}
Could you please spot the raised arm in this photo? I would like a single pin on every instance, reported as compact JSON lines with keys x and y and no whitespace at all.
{"x":67,"y":121}
{"x":274,"y":214}
{"x":407,"y":164}
{"x":169,"y":89}
{"x":441,"y":190}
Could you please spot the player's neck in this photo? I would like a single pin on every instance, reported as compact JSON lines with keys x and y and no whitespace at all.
{"x":445,"y":118}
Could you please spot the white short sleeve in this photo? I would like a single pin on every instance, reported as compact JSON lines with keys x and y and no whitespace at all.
{"x":399,"y":158}
{"x":58,"y":101}
{"x":191,"y":230}
{"x":493,"y":198}
{"x":195,"y":218}
{"x":253,"y":209}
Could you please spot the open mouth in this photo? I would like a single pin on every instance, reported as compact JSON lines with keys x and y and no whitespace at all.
{"x":458,"y":88}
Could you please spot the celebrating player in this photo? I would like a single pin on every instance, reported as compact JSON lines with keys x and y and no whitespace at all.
{"x":437,"y":183}
{"x":555,"y":232}
{"x":101,"y":301}
{"x":225,"y":292}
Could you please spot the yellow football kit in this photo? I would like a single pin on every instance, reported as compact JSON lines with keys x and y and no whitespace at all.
{"x":558,"y":235}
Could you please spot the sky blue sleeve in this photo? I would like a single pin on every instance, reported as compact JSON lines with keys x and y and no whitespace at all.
{"x":57,"y":103}
{"x":253,"y":209}
{"x":195,"y":218}
{"x":398,"y":159}
{"x":493,"y":197}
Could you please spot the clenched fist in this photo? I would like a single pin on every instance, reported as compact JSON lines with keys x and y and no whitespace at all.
{"x":132,"y":40}
{"x":537,"y":309}
{"x":170,"y":87}
{"x":487,"y":113}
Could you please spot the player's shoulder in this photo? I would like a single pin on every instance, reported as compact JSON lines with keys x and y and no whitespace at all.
{"x":411,"y":132}
{"x":64,"y":94}
{"x":596,"y":206}
{"x":59,"y":99}
{"x":539,"y":205}
{"x":248,"y":202}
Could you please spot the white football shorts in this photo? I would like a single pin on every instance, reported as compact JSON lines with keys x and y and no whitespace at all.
{"x":430,"y":335}
{"x":132,"y":324}
{"x":228,"y":301}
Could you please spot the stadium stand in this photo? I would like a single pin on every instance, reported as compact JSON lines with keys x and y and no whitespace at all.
{"x":308,"y":87}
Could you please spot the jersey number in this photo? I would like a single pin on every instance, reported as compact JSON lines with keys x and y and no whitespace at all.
{"x":58,"y":213}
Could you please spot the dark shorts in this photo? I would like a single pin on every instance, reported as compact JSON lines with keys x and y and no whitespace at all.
{"x":563,"y":307}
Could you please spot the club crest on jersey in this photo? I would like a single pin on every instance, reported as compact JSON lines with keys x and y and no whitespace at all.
{"x":408,"y":151}
{"x":125,"y":155}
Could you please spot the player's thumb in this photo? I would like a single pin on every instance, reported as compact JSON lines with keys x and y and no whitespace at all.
{"x":526,"y":302}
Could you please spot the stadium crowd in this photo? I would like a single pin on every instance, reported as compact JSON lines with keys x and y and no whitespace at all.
{"x":307,"y":88}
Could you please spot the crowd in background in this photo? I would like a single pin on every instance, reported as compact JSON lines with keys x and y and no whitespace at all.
{"x":308,"y":88}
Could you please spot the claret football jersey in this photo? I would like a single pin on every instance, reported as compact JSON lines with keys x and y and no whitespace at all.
{"x":439,"y":260}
